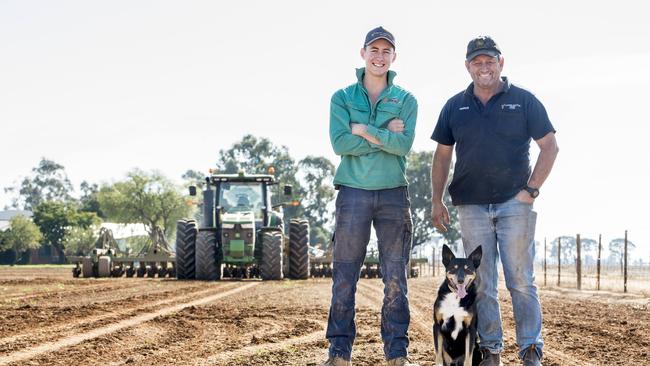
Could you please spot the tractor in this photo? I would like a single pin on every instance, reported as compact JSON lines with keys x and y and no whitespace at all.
{"x":241,"y":234}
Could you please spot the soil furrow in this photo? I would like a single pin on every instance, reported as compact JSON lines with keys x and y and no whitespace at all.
{"x":28,"y":338}
{"x":72,"y":340}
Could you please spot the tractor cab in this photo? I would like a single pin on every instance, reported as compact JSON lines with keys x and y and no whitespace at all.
{"x":242,"y":197}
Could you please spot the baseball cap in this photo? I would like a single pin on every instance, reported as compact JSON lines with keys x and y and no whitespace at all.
{"x":482,"y":45}
{"x":379,"y":33}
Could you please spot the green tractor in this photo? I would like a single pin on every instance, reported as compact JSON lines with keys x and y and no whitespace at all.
{"x":241,"y":234}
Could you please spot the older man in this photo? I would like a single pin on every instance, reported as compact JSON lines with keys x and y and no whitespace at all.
{"x":491,"y":124}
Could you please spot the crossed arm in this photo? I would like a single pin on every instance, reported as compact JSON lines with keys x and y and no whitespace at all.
{"x":359,"y":129}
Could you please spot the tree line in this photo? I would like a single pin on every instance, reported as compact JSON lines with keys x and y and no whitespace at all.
{"x":69,"y":223}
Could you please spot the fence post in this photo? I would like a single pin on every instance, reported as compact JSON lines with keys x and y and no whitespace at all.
{"x":600,"y":247}
{"x":625,"y":266}
{"x":544,"y":262}
{"x":559,"y":260}
{"x":435,"y":273}
{"x":578,"y":263}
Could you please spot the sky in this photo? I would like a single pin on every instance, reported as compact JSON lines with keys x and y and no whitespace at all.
{"x":102,"y":87}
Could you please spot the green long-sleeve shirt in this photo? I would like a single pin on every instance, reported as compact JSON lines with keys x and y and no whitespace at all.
{"x":363,"y":164}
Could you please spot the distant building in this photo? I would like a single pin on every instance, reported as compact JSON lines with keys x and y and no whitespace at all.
{"x":8,"y":257}
{"x":6,"y":216}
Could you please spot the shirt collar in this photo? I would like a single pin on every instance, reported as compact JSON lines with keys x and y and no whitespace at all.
{"x":362,"y":71}
{"x":470,"y":89}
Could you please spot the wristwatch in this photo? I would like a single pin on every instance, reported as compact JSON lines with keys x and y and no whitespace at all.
{"x":533,"y":192}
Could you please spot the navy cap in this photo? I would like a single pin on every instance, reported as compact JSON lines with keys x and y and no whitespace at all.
{"x":482,"y":45}
{"x":379,"y":33}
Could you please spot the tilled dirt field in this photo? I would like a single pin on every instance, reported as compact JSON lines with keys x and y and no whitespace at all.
{"x":49,"y":318}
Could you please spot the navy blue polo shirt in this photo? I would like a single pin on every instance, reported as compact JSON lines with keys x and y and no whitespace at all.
{"x":492,"y":142}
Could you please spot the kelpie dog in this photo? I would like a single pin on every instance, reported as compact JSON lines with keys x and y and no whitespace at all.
{"x":454,"y":312}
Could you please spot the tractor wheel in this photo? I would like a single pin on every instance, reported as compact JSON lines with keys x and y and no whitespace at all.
{"x":87,"y":267}
{"x":328,"y":272}
{"x":76,"y":271}
{"x":299,"y":249}
{"x":364,"y":272}
{"x":162,"y":270}
{"x":185,"y":249}
{"x":271,"y":266}
{"x":207,"y":265}
{"x":104,"y":266}
{"x":117,"y":271}
{"x":130,"y":271}
{"x":142,"y":270}
{"x":152,"y":270}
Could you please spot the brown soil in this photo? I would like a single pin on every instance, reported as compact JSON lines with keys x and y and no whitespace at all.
{"x":48,"y":318}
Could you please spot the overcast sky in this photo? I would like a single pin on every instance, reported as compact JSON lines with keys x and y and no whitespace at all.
{"x":102,"y":87}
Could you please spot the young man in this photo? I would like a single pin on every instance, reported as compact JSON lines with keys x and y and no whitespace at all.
{"x":372,"y":125}
{"x":491,"y":124}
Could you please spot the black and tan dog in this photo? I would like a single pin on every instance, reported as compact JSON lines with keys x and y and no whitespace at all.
{"x":454,"y":312}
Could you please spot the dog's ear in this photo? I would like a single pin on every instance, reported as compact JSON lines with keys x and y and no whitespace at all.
{"x":475,"y":257}
{"x":447,"y":255}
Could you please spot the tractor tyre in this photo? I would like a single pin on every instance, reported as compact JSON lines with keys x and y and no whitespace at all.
{"x":271,"y":266}
{"x":162,"y":270}
{"x":299,"y":249}
{"x":87,"y":267}
{"x":142,"y":270}
{"x":208,"y":266}
{"x":104,"y":266}
{"x":152,"y":270}
{"x":186,"y":232}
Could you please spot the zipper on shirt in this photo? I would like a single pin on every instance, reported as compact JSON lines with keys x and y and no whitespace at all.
{"x":373,"y":107}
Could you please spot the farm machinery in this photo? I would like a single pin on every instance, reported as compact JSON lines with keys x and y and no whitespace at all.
{"x":107,"y":260}
{"x":322,"y":266}
{"x":241,"y":234}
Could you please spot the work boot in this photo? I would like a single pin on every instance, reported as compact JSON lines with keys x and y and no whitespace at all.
{"x":337,"y":361}
{"x":400,"y":361}
{"x":531,"y":358}
{"x":490,"y":359}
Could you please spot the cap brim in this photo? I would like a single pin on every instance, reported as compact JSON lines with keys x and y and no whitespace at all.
{"x":381,"y":37}
{"x":492,"y":53}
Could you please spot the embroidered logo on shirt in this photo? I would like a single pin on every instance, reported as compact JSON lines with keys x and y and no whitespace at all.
{"x":391,"y":100}
{"x":511,"y":107}
{"x":463,"y":108}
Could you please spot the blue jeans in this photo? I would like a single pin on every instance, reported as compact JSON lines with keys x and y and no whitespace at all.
{"x":504,"y":230}
{"x":389,"y":211}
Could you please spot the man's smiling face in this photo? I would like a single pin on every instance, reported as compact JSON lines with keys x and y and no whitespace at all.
{"x":485,"y":70}
{"x":379,"y":55}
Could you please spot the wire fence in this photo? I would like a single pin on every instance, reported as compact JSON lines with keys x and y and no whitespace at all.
{"x":551,"y":270}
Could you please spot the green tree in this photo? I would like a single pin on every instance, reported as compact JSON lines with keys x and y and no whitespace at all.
{"x":194,"y":178}
{"x":22,"y":236}
{"x":79,"y":240}
{"x":148,"y":198}
{"x":48,"y":182}
{"x":318,"y":173}
{"x":55,"y":219}
{"x":418,"y":174}
{"x":88,"y":201}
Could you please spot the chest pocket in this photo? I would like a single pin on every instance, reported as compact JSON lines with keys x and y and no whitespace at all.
{"x":386,"y":112}
{"x":359,"y":113}
{"x":511,"y":123}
